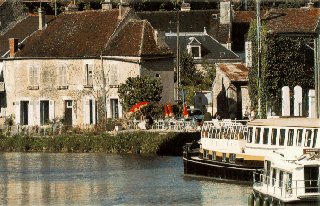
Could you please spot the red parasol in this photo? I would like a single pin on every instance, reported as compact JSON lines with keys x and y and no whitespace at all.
{"x":138,"y":106}
{"x":170,"y":110}
{"x":185,"y":111}
{"x":166,"y":111}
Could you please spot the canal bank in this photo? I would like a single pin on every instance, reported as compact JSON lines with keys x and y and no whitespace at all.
{"x":144,"y":142}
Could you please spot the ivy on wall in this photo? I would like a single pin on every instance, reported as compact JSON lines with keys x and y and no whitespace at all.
{"x":286,"y":60}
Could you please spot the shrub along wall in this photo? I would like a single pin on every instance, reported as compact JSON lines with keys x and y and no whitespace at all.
{"x":134,"y":142}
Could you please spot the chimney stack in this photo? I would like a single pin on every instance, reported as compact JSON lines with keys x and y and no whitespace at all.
{"x":42,"y":21}
{"x":13,"y":45}
{"x":123,"y":7}
{"x":156,"y":36}
{"x":106,"y":5}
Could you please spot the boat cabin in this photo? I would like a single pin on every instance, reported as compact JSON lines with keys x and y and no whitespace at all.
{"x":290,"y":176}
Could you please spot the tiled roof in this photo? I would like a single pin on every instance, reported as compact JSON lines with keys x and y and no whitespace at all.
{"x":21,"y":30}
{"x":210,"y":48}
{"x":85,"y":34}
{"x":294,"y":20}
{"x":135,"y":39}
{"x":189,"y":21}
{"x":235,"y":72}
{"x":244,"y":16}
{"x":74,"y":34}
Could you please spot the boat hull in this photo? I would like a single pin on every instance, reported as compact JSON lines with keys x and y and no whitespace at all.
{"x":274,"y":201}
{"x":193,"y":165}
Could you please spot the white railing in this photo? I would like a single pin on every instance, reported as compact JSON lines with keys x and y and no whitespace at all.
{"x":224,"y":129}
{"x":287,"y":189}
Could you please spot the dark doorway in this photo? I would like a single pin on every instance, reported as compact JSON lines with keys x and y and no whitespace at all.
{"x":68,"y":113}
{"x":44,"y":112}
{"x":311,"y":179}
{"x":24,"y":110}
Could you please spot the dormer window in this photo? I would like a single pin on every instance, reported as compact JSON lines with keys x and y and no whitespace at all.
{"x":194,"y":48}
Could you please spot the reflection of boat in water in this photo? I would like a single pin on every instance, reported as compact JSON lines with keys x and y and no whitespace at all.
{"x":290,"y":177}
{"x":232,"y":150}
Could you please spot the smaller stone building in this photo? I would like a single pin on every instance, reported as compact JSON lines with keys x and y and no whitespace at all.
{"x":230,"y":97}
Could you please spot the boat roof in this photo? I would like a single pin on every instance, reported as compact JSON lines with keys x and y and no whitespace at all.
{"x":290,"y":159}
{"x":287,"y":122}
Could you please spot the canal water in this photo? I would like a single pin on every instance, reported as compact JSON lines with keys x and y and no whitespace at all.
{"x":105,"y":179}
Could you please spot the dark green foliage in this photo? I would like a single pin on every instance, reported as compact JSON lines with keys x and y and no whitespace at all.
{"x":285,"y":61}
{"x":190,"y":76}
{"x":138,"y":89}
{"x":133,"y":142}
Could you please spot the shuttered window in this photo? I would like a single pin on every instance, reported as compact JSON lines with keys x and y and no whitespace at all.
{"x":62,"y":76}
{"x":89,"y":74}
{"x":33,"y":77}
{"x":113,"y":77}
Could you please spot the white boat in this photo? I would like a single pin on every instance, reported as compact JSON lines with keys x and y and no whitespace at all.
{"x":231,"y":150}
{"x":290,"y":177}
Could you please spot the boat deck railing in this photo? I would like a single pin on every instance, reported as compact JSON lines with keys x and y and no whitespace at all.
{"x":224,"y":129}
{"x":287,"y":189}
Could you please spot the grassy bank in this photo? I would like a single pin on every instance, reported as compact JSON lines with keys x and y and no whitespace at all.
{"x":126,"y":142}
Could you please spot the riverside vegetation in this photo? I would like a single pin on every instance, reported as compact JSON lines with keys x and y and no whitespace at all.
{"x":168,"y":143}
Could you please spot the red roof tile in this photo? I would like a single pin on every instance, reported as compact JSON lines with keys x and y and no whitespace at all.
{"x":77,"y":34}
{"x":235,"y":72}
{"x":293,"y":20}
{"x":244,"y":16}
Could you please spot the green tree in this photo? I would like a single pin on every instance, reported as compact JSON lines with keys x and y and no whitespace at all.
{"x":137,"y":89}
{"x":190,"y":76}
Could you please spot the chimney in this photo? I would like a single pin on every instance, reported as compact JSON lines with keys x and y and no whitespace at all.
{"x":106,"y":5}
{"x":42,"y":21}
{"x":123,"y":7}
{"x":229,"y":43}
{"x":185,"y":7}
{"x":13,"y":45}
{"x":225,"y":12}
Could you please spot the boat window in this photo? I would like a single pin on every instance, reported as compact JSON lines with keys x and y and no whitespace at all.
{"x":267,"y":171}
{"x":232,"y":157}
{"x":282,"y":136}
{"x":274,"y":176}
{"x":205,"y":153}
{"x":265,"y":135}
{"x":311,"y":178}
{"x":274,"y":136}
{"x":315,"y":137}
{"x":290,"y":137}
{"x":280,"y":179}
{"x":249,"y":139}
{"x":258,"y":131}
{"x":308,"y":138}
{"x":224,"y":157}
{"x":289,"y":183}
{"x":299,"y":137}
{"x":214,"y":155}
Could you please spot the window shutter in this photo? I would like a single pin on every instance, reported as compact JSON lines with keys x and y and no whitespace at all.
{"x":30,"y":113}
{"x":94,"y":111}
{"x":36,"y":76}
{"x":120,"y":109}
{"x":51,"y":110}
{"x":30,"y":75}
{"x":64,"y":75}
{"x":60,"y":76}
{"x":86,"y":112}
{"x":17,"y":104}
{"x":114,"y":74}
{"x":37,"y":112}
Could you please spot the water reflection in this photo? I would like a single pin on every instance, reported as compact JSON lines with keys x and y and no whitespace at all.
{"x":101,"y":179}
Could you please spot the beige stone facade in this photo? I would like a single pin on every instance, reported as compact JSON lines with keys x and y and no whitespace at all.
{"x":40,"y":90}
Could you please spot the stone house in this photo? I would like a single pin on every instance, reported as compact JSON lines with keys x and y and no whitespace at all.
{"x":230,"y":97}
{"x":295,"y":97}
{"x":65,"y":69}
